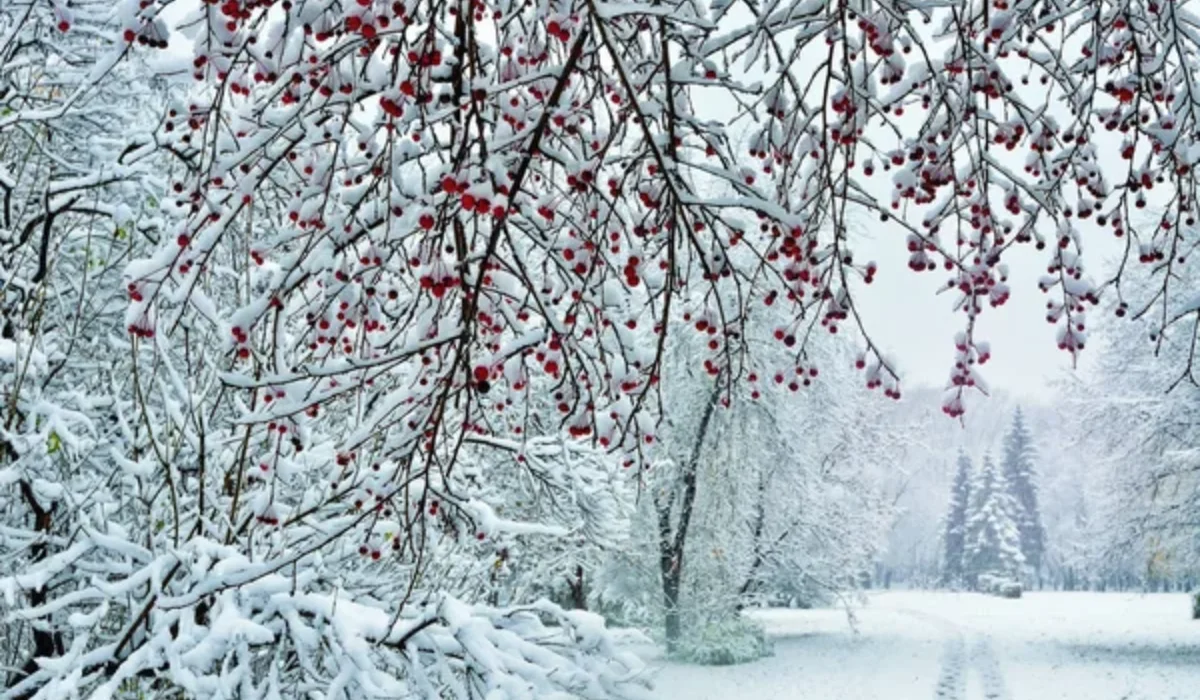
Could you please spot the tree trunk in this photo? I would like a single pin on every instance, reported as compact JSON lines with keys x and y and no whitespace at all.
{"x":671,"y":602}
{"x":760,"y":517}
{"x":46,"y":644}
{"x":671,"y":543}
{"x":578,"y":589}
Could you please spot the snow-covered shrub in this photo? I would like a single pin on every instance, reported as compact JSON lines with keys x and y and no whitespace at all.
{"x":998,"y":585}
{"x":629,"y":587}
{"x":1009,"y":589}
{"x":729,"y":640}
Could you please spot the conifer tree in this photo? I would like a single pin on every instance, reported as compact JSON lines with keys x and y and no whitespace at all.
{"x":1020,"y":473}
{"x":992,"y":545}
{"x":954,"y":535}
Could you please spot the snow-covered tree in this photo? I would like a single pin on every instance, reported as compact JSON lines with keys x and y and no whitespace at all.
{"x":819,"y":514}
{"x":992,"y":545}
{"x":78,"y":194}
{"x":400,"y":278}
{"x":1136,"y":411}
{"x":921,"y":472}
{"x":954,"y":530}
{"x":762,"y":500}
{"x":1019,"y":467}
{"x":156,"y":545}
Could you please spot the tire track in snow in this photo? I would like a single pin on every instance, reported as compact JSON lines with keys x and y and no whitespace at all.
{"x":983,"y":658}
{"x":956,"y":662}
{"x":952,"y":683}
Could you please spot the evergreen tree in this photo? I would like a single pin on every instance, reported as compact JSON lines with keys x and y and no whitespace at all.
{"x":954,"y":535}
{"x":1019,"y":473}
{"x":992,"y":544}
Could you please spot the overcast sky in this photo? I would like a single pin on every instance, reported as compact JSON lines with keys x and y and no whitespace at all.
{"x":906,"y":317}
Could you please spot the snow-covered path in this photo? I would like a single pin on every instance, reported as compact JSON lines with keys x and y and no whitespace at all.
{"x":948,"y":646}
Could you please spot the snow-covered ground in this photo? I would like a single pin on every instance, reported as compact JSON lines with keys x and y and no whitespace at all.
{"x":965,"y":646}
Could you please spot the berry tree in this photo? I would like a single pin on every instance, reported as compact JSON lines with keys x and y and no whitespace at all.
{"x":487,"y":192}
{"x":442,"y":209}
{"x":153,"y":544}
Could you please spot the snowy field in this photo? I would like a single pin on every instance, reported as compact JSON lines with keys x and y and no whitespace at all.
{"x":964,"y":646}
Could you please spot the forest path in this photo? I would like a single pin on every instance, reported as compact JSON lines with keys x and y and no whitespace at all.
{"x":964,"y":646}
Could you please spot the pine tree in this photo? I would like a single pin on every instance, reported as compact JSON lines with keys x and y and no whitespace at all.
{"x":992,"y":544}
{"x":1019,"y":472}
{"x":954,"y":535}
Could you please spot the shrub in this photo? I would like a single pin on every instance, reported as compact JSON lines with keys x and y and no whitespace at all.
{"x":724,"y":642}
{"x":998,"y":585}
{"x":1009,"y":589}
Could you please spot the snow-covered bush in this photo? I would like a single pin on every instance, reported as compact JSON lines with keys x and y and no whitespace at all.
{"x":1009,"y":589}
{"x":998,"y":585}
{"x":985,"y":583}
{"x":727,"y":640}
{"x":79,"y":181}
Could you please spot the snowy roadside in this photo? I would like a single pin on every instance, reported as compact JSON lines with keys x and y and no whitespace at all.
{"x":964,"y":646}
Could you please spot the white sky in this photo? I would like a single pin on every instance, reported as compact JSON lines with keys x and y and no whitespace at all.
{"x":916,"y":326}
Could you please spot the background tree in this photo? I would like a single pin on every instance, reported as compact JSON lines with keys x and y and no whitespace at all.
{"x":1136,"y":410}
{"x":78,"y":200}
{"x":992,"y":544}
{"x":1020,"y":474}
{"x":768,"y":498}
{"x":955,"y":523}
{"x":921,"y":473}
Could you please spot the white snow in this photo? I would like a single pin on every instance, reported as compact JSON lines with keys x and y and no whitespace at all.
{"x":965,"y":646}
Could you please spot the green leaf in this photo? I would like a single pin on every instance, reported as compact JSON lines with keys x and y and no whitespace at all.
{"x":53,"y":443}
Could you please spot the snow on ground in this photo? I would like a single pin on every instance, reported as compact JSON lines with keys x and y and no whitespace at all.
{"x":966,"y":646}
